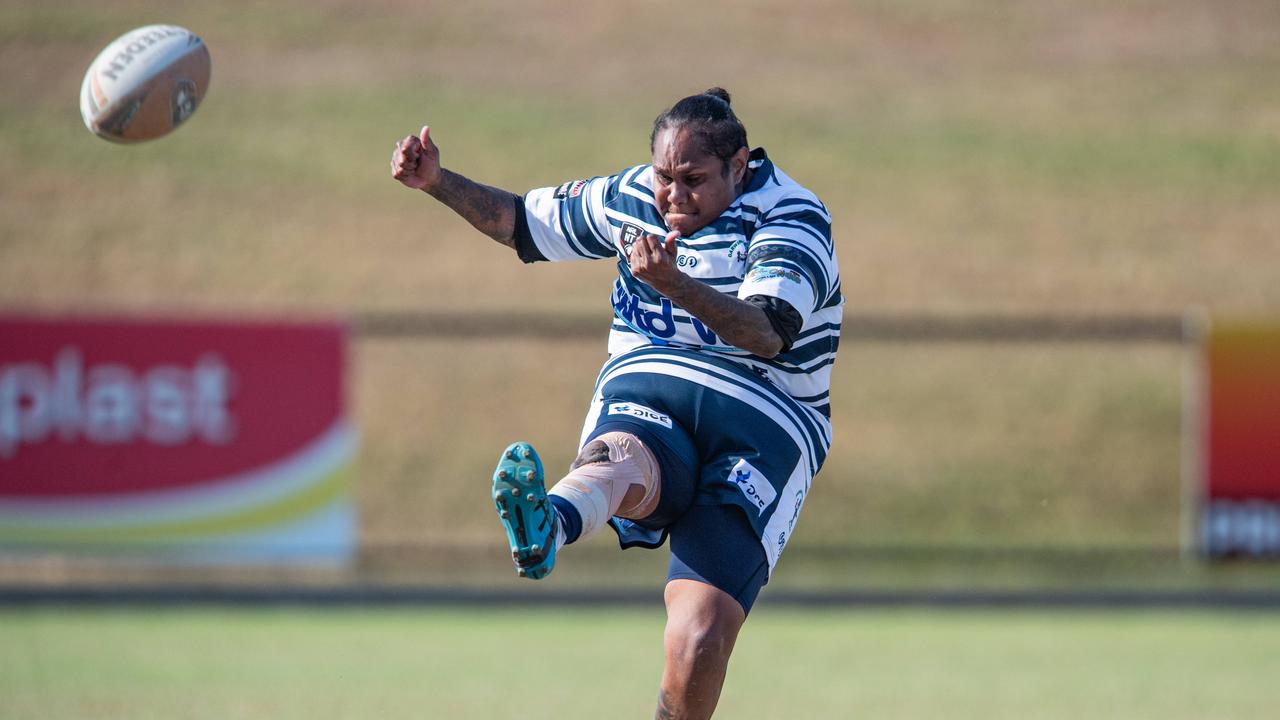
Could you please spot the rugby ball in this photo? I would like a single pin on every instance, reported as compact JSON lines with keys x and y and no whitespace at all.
{"x":145,"y":84}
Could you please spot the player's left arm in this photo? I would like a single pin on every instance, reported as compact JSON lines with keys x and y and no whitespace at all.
{"x":738,"y":322}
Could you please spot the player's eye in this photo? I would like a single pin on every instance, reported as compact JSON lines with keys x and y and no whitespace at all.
{"x":664,"y":178}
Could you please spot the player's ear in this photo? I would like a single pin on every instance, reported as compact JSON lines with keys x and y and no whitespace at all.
{"x":738,"y":164}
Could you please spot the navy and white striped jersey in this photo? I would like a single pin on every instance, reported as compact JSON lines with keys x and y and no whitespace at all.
{"x":774,"y":240}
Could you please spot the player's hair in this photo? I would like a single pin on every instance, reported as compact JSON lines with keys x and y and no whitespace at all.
{"x":709,"y":117}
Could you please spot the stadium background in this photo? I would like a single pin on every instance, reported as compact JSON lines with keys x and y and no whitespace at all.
{"x":1028,"y":197}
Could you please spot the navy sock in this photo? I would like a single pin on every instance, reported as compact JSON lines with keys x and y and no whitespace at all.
{"x":570,"y":519}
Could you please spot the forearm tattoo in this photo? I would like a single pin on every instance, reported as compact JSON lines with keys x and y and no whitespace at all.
{"x":737,"y":322}
{"x":664,"y":711}
{"x":490,"y":210}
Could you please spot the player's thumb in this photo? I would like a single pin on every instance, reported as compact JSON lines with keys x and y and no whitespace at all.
{"x":425,"y":136}
{"x":669,"y":244}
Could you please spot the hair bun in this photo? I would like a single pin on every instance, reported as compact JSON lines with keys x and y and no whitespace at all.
{"x":717,"y":129}
{"x":720,"y":93}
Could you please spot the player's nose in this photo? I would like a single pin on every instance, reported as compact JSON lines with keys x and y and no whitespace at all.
{"x":678,"y":193}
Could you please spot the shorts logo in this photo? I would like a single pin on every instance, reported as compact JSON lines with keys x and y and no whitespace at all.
{"x":754,"y":485}
{"x":642,"y":412}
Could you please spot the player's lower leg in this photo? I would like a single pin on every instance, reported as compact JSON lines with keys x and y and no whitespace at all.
{"x":702,"y":627}
{"x":614,"y":474}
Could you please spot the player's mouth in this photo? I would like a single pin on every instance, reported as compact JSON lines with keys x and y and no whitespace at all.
{"x":679,"y":220}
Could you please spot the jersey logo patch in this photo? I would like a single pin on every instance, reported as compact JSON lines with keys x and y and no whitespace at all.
{"x":641,"y":412}
{"x":630,"y":234}
{"x":570,"y":189}
{"x":754,"y":485}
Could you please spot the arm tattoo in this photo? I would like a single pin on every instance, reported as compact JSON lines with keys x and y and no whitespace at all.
{"x":664,"y":711}
{"x":737,"y":322}
{"x":488,"y":209}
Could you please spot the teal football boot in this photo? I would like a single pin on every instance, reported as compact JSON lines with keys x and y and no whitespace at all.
{"x":525,"y":511}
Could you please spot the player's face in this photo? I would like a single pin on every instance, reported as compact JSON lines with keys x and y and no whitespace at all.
{"x":692,"y":188}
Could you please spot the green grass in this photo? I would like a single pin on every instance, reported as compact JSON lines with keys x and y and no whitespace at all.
{"x":443,"y":663}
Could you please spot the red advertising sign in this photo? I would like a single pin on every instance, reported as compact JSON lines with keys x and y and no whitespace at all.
{"x":215,"y":439}
{"x":1240,"y":512}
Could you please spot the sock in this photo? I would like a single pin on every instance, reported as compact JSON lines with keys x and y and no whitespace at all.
{"x":570,"y":521}
{"x":589,"y":503}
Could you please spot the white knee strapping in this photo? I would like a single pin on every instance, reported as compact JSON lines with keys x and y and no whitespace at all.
{"x":598,"y":490}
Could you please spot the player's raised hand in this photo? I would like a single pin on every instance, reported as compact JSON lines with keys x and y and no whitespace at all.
{"x":416,"y":161}
{"x":653,"y":261}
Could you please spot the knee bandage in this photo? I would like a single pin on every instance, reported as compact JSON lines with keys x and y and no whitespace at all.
{"x":615,"y":474}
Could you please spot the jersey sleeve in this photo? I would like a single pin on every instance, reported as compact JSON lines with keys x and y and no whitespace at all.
{"x":791,"y":256}
{"x":567,"y":222}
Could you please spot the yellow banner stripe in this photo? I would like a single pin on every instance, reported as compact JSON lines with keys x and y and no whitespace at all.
{"x":310,"y":499}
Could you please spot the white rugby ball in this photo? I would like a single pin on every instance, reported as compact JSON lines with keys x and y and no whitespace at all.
{"x":145,"y":84}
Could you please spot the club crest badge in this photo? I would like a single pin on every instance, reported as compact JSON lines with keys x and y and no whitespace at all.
{"x":630,"y":234}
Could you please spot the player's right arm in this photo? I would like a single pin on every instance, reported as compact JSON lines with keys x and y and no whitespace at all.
{"x":492,"y":211}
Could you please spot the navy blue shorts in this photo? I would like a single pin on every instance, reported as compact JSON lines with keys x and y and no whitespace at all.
{"x":737,"y":456}
{"x":714,"y":544}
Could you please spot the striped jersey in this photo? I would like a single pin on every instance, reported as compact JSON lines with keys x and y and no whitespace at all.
{"x":773,"y":240}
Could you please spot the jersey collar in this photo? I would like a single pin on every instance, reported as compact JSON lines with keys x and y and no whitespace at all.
{"x":762,"y":170}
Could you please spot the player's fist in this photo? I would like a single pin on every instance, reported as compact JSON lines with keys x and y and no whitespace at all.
{"x":416,"y":161}
{"x":653,"y":261}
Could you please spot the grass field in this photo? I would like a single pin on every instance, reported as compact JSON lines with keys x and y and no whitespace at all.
{"x":283,"y":664}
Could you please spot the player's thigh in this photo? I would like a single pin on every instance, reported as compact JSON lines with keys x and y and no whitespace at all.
{"x":651,"y":408}
{"x":717,"y":546}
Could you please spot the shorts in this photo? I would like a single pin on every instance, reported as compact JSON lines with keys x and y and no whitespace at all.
{"x":698,"y":552}
{"x":738,"y":456}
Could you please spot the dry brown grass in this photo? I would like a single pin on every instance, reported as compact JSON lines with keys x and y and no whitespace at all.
{"x":1073,"y":445}
{"x":1009,"y":156}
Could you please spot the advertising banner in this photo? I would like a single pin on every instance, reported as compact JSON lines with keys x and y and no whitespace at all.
{"x":1240,"y":442}
{"x":201,"y":441}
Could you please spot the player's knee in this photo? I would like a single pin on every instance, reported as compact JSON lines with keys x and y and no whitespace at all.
{"x":596,"y":451}
{"x":614,"y":474}
{"x":704,"y":630}
{"x":698,"y":642}
{"x":690,"y":638}
{"x":626,"y":470}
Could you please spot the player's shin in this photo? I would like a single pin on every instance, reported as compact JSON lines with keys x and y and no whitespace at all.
{"x":614,"y":474}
